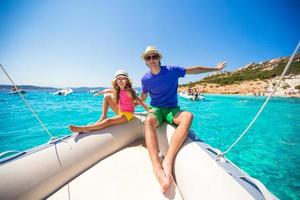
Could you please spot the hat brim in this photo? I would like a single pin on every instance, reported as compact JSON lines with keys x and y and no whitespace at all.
{"x":151,"y":52}
{"x":122,"y":76}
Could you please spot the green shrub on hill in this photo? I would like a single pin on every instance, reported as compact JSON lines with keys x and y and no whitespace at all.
{"x":252,"y":72}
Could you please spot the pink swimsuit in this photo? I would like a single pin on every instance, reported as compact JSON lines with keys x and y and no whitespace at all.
{"x":125,"y":103}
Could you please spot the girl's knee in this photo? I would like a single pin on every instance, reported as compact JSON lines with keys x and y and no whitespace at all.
{"x":107,"y":97}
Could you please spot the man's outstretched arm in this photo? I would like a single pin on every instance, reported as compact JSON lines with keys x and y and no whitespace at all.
{"x":200,"y":69}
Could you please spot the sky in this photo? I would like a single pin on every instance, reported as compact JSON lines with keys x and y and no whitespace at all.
{"x":70,"y":43}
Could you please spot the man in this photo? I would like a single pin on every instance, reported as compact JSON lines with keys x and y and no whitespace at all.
{"x":161,"y":82}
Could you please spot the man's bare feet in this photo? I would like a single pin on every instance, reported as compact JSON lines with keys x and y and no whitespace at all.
{"x":167,"y":168}
{"x":163,"y":180}
{"x":75,"y":128}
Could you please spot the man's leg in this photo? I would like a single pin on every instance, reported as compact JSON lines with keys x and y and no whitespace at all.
{"x":183,"y":120}
{"x":151,"y":123}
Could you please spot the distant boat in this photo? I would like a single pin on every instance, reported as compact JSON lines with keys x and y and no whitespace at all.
{"x":17,"y":92}
{"x":93,"y":91}
{"x":191,"y":97}
{"x":63,"y":92}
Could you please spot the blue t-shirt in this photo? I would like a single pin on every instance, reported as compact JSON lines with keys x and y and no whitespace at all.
{"x":162,"y":87}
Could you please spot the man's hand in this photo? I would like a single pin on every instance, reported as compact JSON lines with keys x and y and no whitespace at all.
{"x":221,"y":65}
{"x":151,"y":111}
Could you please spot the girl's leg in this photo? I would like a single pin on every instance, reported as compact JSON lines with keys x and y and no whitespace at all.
{"x":119,"y":119}
{"x":108,"y":101}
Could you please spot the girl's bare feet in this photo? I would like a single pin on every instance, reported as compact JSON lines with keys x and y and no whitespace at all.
{"x":101,"y":119}
{"x":75,"y":128}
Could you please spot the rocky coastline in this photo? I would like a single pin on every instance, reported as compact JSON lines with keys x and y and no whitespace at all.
{"x":289,"y":86}
{"x":255,"y":88}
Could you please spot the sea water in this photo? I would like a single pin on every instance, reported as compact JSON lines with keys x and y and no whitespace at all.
{"x":268,"y":152}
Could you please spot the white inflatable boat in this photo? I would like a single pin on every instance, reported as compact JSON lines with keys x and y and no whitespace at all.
{"x":63,"y":92}
{"x":114,"y":164}
{"x":93,"y":91}
{"x":191,"y":97}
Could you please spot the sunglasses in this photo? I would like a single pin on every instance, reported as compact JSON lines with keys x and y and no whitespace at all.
{"x":154,"y":57}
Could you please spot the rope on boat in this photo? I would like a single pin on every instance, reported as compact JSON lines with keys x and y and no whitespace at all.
{"x":221,"y":155}
{"x":8,"y":152}
{"x":29,"y":106}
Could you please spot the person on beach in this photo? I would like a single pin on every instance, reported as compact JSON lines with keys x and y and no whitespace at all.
{"x":122,"y":103}
{"x":195,"y":94}
{"x":161,"y":83}
{"x":189,"y":91}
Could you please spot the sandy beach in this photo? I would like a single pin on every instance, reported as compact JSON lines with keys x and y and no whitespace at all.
{"x":257,"y":88}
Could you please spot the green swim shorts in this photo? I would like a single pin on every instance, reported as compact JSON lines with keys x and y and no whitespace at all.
{"x":165,"y":114}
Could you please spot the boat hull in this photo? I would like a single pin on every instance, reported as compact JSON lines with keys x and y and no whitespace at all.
{"x":44,"y":170}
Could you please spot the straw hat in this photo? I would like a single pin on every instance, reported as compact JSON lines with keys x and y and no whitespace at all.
{"x":121,"y":73}
{"x":151,"y":49}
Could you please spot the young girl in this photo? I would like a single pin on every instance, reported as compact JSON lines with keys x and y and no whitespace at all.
{"x":122,"y":103}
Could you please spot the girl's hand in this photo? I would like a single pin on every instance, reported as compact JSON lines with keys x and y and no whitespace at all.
{"x":100,"y":92}
{"x":105,"y":91}
{"x":136,"y":103}
{"x":97,"y":94}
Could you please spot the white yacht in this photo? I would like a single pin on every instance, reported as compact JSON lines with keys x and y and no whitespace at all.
{"x":63,"y":92}
{"x":191,"y":97}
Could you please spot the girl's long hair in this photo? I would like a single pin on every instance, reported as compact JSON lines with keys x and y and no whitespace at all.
{"x":128,"y":87}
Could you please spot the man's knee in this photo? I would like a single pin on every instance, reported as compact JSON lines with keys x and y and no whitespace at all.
{"x":187,"y":116}
{"x":150,"y":121}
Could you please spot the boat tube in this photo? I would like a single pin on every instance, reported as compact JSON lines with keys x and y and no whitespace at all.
{"x":42,"y":171}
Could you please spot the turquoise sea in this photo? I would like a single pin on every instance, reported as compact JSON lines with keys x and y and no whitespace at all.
{"x":270,"y":151}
